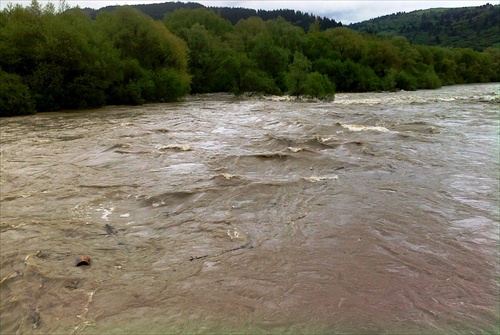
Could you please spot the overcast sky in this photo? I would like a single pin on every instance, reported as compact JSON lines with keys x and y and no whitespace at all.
{"x":344,"y":11}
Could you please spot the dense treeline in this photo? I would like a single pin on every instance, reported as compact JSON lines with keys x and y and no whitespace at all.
{"x":51,"y":61}
{"x":473,"y":27}
{"x":54,"y":59}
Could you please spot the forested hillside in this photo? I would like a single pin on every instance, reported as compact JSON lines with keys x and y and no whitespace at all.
{"x":58,"y":59}
{"x":470,"y":27}
{"x":233,"y":15}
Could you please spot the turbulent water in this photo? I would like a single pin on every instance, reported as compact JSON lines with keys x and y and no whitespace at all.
{"x":376,"y":213}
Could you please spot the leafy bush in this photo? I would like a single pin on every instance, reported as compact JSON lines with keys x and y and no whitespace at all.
{"x":319,"y":86}
{"x":405,"y":81}
{"x":295,"y":79}
{"x":170,"y":85}
{"x":15,"y":97}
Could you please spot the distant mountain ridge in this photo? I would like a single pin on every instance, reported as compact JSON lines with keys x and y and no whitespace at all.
{"x":159,"y":10}
{"x":468,"y":27}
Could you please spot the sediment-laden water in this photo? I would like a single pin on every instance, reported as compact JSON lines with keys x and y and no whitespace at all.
{"x":376,"y":213}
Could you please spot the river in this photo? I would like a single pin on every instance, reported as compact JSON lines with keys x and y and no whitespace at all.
{"x":375,"y":213}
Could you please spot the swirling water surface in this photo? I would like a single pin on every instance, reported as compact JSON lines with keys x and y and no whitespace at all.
{"x":376,"y":213}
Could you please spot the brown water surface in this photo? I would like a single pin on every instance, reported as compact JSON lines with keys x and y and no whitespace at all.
{"x":377,"y":213}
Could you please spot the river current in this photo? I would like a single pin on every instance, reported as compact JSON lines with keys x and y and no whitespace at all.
{"x":377,"y":213}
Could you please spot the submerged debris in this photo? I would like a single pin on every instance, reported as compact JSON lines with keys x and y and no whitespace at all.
{"x":34,"y":318}
{"x":244,"y":246}
{"x":110,"y":230}
{"x":83,"y":260}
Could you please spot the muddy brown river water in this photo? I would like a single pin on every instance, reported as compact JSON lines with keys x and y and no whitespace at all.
{"x":377,"y":213}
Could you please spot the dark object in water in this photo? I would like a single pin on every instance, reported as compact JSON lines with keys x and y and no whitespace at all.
{"x":110,"y":230}
{"x":245,"y":246}
{"x":83,"y":260}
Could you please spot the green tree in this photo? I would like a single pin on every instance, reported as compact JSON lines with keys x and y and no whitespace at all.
{"x":444,"y":65}
{"x":246,"y":32}
{"x":186,"y":18}
{"x":319,"y":86}
{"x":206,"y":58}
{"x":156,"y":54}
{"x":205,"y":33}
{"x":296,"y":77}
{"x":138,"y":36}
{"x":285,"y":34}
{"x":320,"y":45}
{"x":381,"y":56}
{"x":76,"y":55}
{"x":349,"y":76}
{"x":348,"y":43}
{"x":270,"y":58}
{"x":59,"y":56}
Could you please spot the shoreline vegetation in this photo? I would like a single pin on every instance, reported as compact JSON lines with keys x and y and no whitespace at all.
{"x":55,"y":58}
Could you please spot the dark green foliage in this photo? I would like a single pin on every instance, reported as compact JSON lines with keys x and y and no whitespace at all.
{"x":405,"y":81}
{"x":319,"y":45}
{"x":203,"y":32}
{"x":470,"y":27}
{"x":349,"y":76}
{"x":15,"y":97}
{"x":300,"y":81}
{"x":133,"y":86}
{"x":348,"y":43}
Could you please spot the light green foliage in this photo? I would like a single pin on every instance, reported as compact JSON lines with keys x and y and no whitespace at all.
{"x":137,"y":36}
{"x":286,"y":35}
{"x":348,"y":43}
{"x":319,"y":86}
{"x":186,"y":18}
{"x":247,"y":30}
{"x":296,"y":78}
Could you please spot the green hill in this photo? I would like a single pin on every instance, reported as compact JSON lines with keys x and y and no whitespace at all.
{"x":468,"y":27}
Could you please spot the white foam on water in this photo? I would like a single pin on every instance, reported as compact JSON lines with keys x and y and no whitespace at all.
{"x":106,"y":212}
{"x":357,"y":127}
{"x":295,"y":149}
{"x":314,"y":179}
